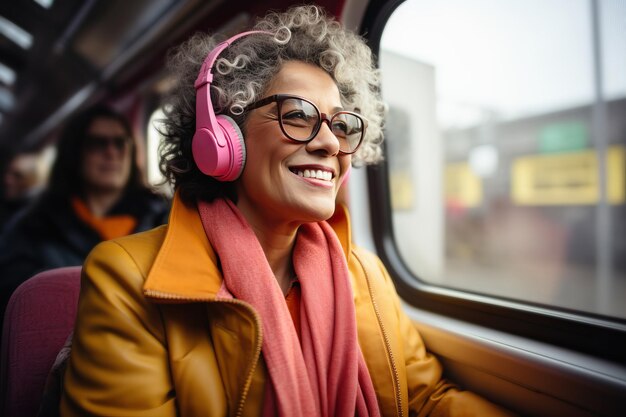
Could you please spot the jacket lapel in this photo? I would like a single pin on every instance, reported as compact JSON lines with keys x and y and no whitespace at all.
{"x":186,"y":270}
{"x":186,"y":265}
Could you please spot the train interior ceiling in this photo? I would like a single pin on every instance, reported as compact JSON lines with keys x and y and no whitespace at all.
{"x":60,"y":56}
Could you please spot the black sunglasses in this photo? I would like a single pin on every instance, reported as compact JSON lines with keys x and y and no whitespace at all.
{"x":100,"y":143}
{"x":301,"y":120}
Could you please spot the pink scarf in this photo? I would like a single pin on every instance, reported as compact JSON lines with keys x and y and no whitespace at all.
{"x":326,"y":375}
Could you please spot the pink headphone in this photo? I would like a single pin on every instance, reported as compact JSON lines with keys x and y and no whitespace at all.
{"x":217,"y":146}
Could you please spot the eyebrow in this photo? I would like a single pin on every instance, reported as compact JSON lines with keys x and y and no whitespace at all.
{"x":332,"y":111}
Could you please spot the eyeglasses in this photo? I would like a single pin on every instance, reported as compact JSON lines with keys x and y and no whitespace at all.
{"x":300,"y":120}
{"x":100,"y":143}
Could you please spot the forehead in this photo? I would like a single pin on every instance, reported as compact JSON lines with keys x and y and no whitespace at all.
{"x":106,"y":126}
{"x":306,"y":80}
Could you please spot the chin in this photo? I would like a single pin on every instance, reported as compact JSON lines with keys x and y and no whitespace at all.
{"x":109,"y":186}
{"x":319,"y":213}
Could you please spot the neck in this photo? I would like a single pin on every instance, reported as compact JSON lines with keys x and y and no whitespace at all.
{"x":278,"y":251}
{"x":100,"y":202}
{"x":277,"y":241}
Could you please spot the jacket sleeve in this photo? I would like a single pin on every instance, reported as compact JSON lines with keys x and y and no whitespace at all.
{"x":118,"y":364}
{"x":428,"y":393}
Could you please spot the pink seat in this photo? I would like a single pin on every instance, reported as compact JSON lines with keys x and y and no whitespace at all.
{"x":39,"y":317}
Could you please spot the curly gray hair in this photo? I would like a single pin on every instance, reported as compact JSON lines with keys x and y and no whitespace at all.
{"x":242,"y":74}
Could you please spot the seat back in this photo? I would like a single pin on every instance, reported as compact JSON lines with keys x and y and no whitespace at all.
{"x":39,"y":317}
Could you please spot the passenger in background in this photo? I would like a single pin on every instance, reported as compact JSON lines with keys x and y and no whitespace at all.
{"x":96,"y":192}
{"x":23,"y":178}
{"x":253,"y":301}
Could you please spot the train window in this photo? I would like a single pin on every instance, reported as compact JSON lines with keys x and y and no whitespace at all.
{"x":155,"y":178}
{"x":46,"y":4}
{"x":506,"y":147}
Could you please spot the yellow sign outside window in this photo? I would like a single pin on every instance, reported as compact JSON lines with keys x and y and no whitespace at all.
{"x":567,"y":179}
{"x":463,"y":187}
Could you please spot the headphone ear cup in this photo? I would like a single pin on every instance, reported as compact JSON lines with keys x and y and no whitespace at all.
{"x":237,"y":146}
{"x":224,"y":163}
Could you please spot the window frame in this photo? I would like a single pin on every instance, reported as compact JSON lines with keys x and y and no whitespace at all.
{"x":584,"y":332}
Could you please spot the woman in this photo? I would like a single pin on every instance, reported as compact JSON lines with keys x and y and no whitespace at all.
{"x":253,"y":301}
{"x":95,"y":193}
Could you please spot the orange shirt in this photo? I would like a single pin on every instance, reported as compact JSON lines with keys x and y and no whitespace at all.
{"x":108,"y":227}
{"x":293,"y":304}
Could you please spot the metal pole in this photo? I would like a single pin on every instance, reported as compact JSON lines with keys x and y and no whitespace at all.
{"x":604,"y":238}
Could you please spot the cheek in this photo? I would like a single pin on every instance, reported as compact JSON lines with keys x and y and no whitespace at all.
{"x":345,"y":163}
{"x":264,"y":154}
{"x":128,"y":159}
{"x":251,"y":176}
{"x":87,"y":162}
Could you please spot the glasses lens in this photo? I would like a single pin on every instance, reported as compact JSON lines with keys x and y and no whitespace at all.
{"x":348,"y":128}
{"x":97,"y":143}
{"x":298,"y":118}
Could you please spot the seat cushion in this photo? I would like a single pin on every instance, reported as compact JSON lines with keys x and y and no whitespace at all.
{"x":39,"y":317}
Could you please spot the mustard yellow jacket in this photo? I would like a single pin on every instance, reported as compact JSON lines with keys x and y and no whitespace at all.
{"x":152,"y":339}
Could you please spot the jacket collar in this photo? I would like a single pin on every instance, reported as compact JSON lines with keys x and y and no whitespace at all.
{"x":186,"y":266}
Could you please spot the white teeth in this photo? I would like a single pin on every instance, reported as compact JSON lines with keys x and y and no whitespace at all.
{"x":318,"y":174}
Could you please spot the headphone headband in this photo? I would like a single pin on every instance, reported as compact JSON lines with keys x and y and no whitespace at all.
{"x":205,"y":75}
{"x":217,"y":145}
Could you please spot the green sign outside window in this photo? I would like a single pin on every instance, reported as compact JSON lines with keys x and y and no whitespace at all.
{"x":563,"y":137}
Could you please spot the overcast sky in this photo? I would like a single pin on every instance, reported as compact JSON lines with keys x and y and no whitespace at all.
{"x":516,"y":57}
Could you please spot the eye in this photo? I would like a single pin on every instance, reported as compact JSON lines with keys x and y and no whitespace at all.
{"x":295,"y":115}
{"x":298,"y":117}
{"x":340,"y":128}
{"x":298,"y":113}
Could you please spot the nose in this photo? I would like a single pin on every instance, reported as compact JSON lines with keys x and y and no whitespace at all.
{"x":110,"y":150}
{"x":325,"y":140}
{"x":114,"y":148}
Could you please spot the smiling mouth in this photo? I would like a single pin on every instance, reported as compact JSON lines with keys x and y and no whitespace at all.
{"x":313,"y":173}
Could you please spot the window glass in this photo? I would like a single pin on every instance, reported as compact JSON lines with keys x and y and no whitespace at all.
{"x":502,"y":115}
{"x":155,"y":178}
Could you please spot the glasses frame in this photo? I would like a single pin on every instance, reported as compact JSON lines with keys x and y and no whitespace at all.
{"x":95,"y":143}
{"x":323,"y":117}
